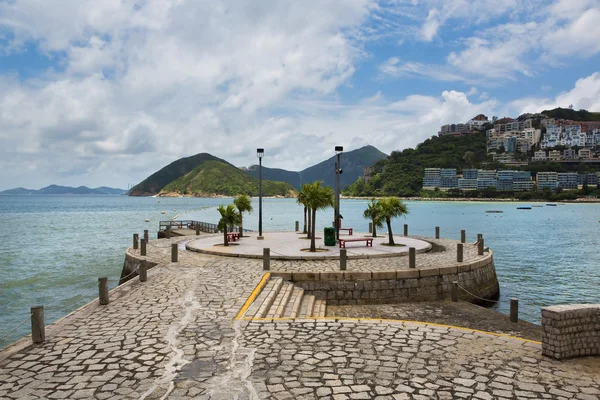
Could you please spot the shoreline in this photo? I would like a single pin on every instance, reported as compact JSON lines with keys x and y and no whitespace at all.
{"x":476,"y":199}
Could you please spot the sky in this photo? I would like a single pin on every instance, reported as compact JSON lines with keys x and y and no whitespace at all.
{"x":105,"y":93}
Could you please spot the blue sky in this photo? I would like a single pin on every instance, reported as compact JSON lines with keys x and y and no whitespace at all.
{"x":105,"y":93}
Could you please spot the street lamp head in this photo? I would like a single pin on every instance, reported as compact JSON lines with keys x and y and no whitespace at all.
{"x":260,"y":152}
{"x":339,"y":149}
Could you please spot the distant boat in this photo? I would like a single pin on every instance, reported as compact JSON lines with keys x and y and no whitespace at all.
{"x":163,"y":212}
{"x":551,"y":205}
{"x":147,"y":220}
{"x":537,"y":206}
{"x":524,"y":208}
{"x":494,"y":211}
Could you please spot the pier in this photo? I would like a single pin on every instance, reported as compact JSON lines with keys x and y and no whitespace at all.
{"x":223,"y":323}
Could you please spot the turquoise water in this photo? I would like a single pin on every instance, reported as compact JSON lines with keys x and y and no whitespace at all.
{"x":54,"y":248}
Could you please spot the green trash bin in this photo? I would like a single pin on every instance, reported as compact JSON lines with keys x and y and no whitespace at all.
{"x":329,"y":235}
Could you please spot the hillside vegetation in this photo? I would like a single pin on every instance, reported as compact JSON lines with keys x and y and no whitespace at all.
{"x":401,"y":174}
{"x":567,"y":113}
{"x":221,"y":178}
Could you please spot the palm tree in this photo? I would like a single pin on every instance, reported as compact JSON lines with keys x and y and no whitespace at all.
{"x":300,"y":200}
{"x":391,"y":207}
{"x":229,"y":217}
{"x":317,"y":198}
{"x":243,"y":204}
{"x":373,"y":212}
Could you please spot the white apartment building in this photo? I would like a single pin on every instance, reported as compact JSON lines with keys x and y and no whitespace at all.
{"x":531,"y":135}
{"x":540,"y":155}
{"x":554,"y":155}
{"x":547,"y":180}
{"x":569,"y":154}
{"x":585,"y":154}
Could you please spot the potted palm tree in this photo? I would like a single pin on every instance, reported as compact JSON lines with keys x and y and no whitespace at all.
{"x":243,"y":204}
{"x":391,"y":207}
{"x":317,"y":198}
{"x":229,"y":217}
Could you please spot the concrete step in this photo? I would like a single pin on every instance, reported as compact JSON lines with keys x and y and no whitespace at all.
{"x":281,"y":300}
{"x":320,"y":308}
{"x":293,"y":307}
{"x":306,"y":307}
{"x":263,"y":301}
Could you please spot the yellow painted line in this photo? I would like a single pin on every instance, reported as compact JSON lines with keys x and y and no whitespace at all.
{"x":253,"y":295}
{"x":462,"y":328}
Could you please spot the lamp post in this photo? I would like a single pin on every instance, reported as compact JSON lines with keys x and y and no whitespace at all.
{"x":260,"y":153}
{"x":338,"y":171}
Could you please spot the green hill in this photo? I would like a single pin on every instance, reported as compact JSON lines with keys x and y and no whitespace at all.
{"x":220,"y":178}
{"x":158,"y":180}
{"x":567,"y":113}
{"x":353,"y":164}
{"x":401,"y":174}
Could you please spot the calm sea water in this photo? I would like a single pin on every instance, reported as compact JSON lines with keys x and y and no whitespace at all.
{"x":54,"y":248}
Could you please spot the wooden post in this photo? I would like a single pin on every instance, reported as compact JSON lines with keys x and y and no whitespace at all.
{"x":143,"y":247}
{"x":197,"y":229}
{"x":463,"y":236}
{"x":146,"y":235}
{"x":454,"y":292}
{"x":479,"y":237}
{"x":480,"y":247}
{"x":103,"y":291}
{"x":412,"y":262}
{"x":174,"y":252}
{"x":143,"y":272}
{"x":405,"y":229}
{"x":514,"y":310}
{"x":168,"y":231}
{"x":459,"y":252}
{"x":135,"y":241}
{"x":437,"y":232}
{"x":343,"y":259}
{"x":370,"y":227}
{"x":38,"y":329}
{"x":297,"y":227}
{"x":266,"y":259}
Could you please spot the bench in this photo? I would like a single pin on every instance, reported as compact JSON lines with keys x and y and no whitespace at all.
{"x":342,"y":242}
{"x":347,"y":229}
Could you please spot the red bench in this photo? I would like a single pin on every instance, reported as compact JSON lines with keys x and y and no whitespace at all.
{"x":342,"y":242}
{"x":347,"y":229}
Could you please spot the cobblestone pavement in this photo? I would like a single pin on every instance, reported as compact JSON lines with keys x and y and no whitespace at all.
{"x":175,"y":337}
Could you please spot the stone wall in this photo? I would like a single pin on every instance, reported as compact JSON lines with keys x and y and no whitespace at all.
{"x":131,"y":263}
{"x":384,"y":287}
{"x":571,"y":331}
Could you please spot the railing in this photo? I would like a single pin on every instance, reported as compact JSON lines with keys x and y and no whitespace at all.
{"x":191,"y":224}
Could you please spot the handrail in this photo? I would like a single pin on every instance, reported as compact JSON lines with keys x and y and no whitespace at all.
{"x":191,"y":224}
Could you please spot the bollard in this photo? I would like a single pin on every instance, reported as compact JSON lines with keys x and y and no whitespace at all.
{"x":343,"y":259}
{"x":370,"y":227}
{"x":405,"y":229}
{"x":197,"y":229}
{"x":459,"y":252}
{"x":135,"y":241}
{"x":297,"y":226}
{"x":143,"y":271}
{"x":174,"y":252}
{"x":168,"y":232}
{"x":266,"y":259}
{"x":38,"y":329}
{"x":454,"y":292}
{"x":437,"y":232}
{"x":412,"y":262}
{"x":480,"y":247}
{"x":143,"y":247}
{"x":146,"y":235}
{"x":514,"y":310}
{"x":463,"y":236}
{"x":103,"y":291}
{"x":479,"y":237}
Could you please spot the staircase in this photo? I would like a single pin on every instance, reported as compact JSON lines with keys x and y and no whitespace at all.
{"x":281,"y":299}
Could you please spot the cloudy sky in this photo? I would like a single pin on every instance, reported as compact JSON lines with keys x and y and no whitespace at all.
{"x":107,"y":92}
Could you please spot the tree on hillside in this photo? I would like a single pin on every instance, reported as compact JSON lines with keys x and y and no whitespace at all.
{"x":469,"y":157}
{"x":317,"y":198}
{"x":392,"y":207}
{"x":229,"y":217}
{"x":373,"y":212}
{"x":243,"y":204}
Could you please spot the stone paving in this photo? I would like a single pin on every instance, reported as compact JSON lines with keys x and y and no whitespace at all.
{"x":175,"y":337}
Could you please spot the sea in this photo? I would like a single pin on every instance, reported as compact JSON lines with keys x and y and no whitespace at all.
{"x":53,"y":248}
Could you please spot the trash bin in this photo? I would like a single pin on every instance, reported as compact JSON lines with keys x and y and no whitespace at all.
{"x":329,"y":236}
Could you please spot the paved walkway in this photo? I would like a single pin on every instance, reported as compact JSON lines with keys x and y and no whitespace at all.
{"x":175,"y":337}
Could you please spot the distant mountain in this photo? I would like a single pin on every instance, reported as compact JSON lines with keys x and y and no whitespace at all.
{"x":109,"y":190}
{"x":19,"y":190}
{"x":214,"y":177}
{"x":158,"y":180}
{"x":55,"y":189}
{"x":353,"y":164}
